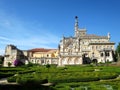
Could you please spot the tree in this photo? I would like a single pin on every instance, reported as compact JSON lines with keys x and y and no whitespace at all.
{"x":1,"y":59}
{"x":118,"y":51}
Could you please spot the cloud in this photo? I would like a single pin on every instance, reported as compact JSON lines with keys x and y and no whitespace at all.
{"x":4,"y":38}
{"x":24,"y":34}
{"x":2,"y":51}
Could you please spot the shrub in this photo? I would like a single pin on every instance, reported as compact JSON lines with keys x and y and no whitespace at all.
{"x":18,"y":63}
{"x":53,"y":65}
{"x":48,"y":66}
{"x":30,"y":79}
{"x":26,"y":71}
{"x":107,"y":75}
{"x":9,"y":64}
{"x":4,"y":75}
{"x":29,"y":64}
{"x":12,"y":79}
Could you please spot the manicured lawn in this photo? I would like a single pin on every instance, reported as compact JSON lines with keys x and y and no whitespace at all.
{"x":65,"y":78}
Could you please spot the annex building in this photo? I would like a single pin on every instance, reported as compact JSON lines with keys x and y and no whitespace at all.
{"x":82,"y":48}
{"x":43,"y":56}
{"x":40,"y":56}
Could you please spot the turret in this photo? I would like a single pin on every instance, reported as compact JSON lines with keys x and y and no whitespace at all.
{"x":76,"y":25}
{"x":108,"y":36}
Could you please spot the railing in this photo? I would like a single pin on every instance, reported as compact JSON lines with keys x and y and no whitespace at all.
{"x":85,"y":50}
{"x":70,"y":54}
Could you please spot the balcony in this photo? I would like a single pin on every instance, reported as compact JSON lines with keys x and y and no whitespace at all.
{"x":85,"y":50}
{"x":70,"y":54}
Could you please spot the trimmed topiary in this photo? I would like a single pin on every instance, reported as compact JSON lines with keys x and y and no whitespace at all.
{"x":12,"y":79}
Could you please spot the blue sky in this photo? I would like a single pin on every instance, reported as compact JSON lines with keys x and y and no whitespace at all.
{"x":41,"y":23}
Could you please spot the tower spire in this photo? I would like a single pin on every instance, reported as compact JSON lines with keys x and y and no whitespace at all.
{"x":76,"y":25}
{"x":108,"y":36}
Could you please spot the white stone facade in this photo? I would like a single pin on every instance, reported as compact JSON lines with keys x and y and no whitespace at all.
{"x":84,"y":48}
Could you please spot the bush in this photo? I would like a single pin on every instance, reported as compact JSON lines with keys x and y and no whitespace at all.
{"x":53,"y":65}
{"x":31,"y":79}
{"x":18,"y":63}
{"x":67,"y":80}
{"x":48,"y":66}
{"x":12,"y":79}
{"x":26,"y":71}
{"x":30,"y":64}
{"x":4,"y":75}
{"x":108,"y":77}
{"x":9,"y":64}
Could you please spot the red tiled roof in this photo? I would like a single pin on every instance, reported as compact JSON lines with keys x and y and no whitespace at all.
{"x":40,"y":50}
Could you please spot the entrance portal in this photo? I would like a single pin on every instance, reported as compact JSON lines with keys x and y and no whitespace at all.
{"x":95,"y":61}
{"x":86,"y":60}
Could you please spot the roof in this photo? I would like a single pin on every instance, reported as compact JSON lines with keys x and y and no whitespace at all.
{"x":93,"y":36}
{"x":102,"y":43}
{"x":40,"y":50}
{"x":88,"y":36}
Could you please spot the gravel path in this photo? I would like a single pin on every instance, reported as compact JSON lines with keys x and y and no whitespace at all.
{"x":3,"y":81}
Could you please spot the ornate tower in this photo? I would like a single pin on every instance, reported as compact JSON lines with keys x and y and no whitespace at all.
{"x":108,"y":36}
{"x":76,"y":25}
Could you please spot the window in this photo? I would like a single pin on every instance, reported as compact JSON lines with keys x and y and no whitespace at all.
{"x":42,"y":61}
{"x":92,"y":47}
{"x":96,"y":47}
{"x":107,"y":54}
{"x":111,"y":46}
{"x":101,"y":54}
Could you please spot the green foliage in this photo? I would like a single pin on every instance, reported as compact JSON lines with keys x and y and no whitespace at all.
{"x":28,"y":79}
{"x":12,"y":79}
{"x":25,"y":71}
{"x":6,"y":74}
{"x":118,"y":50}
{"x":1,"y":59}
{"x":48,"y":66}
{"x":82,"y":77}
{"x":30,"y":64}
{"x":110,"y":76}
{"x":64,"y":77}
{"x":97,"y":87}
{"x":9,"y":64}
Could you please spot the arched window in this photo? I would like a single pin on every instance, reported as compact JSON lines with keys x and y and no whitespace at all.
{"x":107,"y":54}
{"x":101,"y":54}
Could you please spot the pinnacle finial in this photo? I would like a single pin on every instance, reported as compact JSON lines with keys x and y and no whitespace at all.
{"x":76,"y":17}
{"x":76,"y":25}
{"x":108,"y":35}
